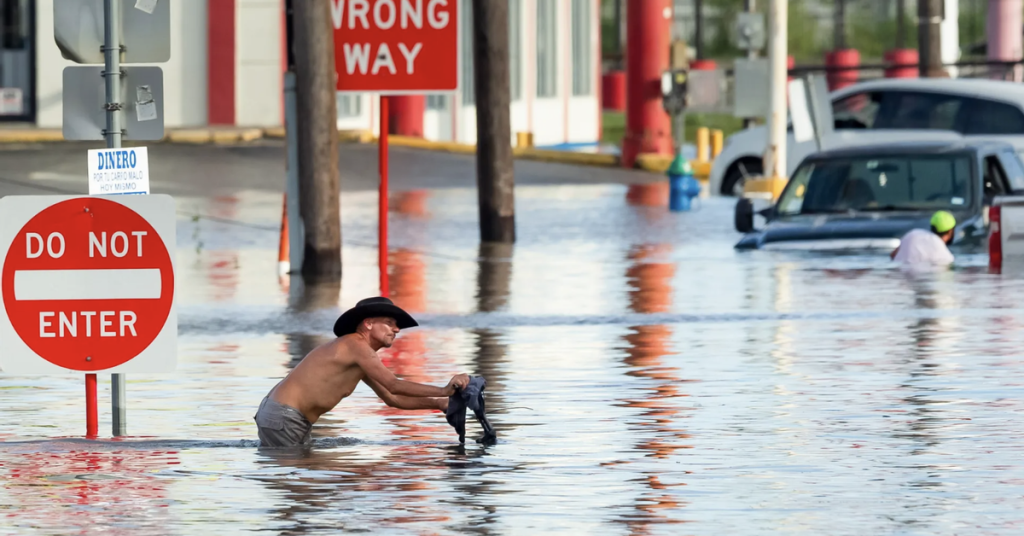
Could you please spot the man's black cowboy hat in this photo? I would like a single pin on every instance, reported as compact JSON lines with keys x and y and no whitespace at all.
{"x":371,"y":308}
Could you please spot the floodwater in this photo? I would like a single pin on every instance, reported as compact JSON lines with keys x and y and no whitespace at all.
{"x":643,"y":376}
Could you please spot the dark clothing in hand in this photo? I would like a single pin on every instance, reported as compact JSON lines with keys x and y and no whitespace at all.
{"x":473,"y":398}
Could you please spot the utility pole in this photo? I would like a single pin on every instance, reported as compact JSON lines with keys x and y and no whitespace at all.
{"x":929,"y":38}
{"x":839,"y":30}
{"x":698,"y":28}
{"x":901,"y":31}
{"x":750,"y":6}
{"x":494,"y":172}
{"x":775,"y":155}
{"x":315,"y":86}
{"x":618,"y":28}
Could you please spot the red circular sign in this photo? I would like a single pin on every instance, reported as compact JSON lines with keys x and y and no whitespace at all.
{"x":87,"y":284}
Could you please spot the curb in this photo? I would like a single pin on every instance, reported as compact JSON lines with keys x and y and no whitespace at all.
{"x":657,"y":163}
{"x":654,"y":163}
{"x":30,"y":135}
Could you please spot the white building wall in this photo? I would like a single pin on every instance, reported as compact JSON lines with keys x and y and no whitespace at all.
{"x":258,"y":62}
{"x":563,"y":118}
{"x":184,"y":75}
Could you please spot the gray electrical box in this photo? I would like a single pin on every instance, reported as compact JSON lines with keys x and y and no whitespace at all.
{"x":751,"y":85}
{"x":85,"y":114}
{"x":750,"y":31}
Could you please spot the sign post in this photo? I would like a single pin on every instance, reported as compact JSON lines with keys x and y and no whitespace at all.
{"x":398,"y":47}
{"x":137,"y":32}
{"x":382,"y":197}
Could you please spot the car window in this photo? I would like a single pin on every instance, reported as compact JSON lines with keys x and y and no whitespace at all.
{"x":988,"y":117}
{"x":923,"y":111}
{"x":891,"y":182}
{"x":995,"y":179}
{"x":1014,"y":169}
{"x":856,"y":111}
{"x":792,"y":199}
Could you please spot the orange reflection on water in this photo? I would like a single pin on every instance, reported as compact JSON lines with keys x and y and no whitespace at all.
{"x":654,"y":194}
{"x":649,"y":275}
{"x":410,"y":203}
{"x":407,"y":356}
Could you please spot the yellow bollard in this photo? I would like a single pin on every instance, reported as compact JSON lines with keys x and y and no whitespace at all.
{"x":524,"y":139}
{"x":717,"y":141}
{"x":703,"y":144}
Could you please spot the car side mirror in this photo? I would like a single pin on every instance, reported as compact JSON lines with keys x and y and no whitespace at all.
{"x":743,"y":216}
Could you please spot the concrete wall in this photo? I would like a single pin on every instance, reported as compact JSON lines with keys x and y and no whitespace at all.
{"x":184,"y":75}
{"x":258,"y":62}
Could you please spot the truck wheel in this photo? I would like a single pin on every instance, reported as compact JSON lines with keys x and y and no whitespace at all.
{"x":732,"y":183}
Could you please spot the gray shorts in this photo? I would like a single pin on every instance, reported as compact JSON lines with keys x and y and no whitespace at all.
{"x":280,"y":425}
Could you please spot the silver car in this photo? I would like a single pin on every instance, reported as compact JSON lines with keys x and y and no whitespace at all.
{"x":885,"y":111}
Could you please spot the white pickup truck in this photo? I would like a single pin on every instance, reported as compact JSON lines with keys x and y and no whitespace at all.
{"x":887,"y":111}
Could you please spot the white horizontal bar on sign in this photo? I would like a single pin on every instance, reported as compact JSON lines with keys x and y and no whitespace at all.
{"x":137,"y":284}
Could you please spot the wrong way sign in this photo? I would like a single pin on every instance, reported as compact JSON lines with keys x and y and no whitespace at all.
{"x":396,"y":46}
{"x":87,"y":284}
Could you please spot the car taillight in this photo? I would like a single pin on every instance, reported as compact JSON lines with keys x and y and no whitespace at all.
{"x":995,"y":240}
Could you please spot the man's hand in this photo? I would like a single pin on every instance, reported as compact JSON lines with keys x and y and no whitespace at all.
{"x":459,"y":381}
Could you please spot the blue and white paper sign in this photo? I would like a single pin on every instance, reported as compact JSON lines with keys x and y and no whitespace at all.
{"x":118,"y":171}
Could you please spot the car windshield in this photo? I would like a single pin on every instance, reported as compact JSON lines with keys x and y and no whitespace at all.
{"x":907,"y":182}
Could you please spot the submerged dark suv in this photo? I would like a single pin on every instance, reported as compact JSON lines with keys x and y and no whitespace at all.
{"x":868,"y":197}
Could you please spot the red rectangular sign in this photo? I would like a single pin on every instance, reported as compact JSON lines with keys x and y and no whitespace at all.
{"x":396,"y":46}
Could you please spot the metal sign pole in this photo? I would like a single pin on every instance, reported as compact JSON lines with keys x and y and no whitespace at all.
{"x":382,"y":194}
{"x":112,"y":80}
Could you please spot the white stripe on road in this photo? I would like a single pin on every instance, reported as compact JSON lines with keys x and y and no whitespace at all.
{"x":140,"y":284}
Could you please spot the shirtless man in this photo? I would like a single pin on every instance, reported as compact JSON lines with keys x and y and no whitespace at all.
{"x":331,"y":371}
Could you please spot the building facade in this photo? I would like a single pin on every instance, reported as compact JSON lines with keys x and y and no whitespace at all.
{"x":228,"y":58}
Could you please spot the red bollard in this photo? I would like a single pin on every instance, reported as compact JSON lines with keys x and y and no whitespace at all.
{"x":703,"y":65}
{"x":613,"y":91}
{"x":92,"y":424}
{"x":845,"y":63}
{"x":406,"y":117}
{"x":902,"y":63}
{"x":995,"y":239}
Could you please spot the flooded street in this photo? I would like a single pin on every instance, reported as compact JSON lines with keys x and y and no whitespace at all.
{"x":644,"y":378}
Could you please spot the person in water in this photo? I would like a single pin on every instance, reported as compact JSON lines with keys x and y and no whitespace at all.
{"x":331,"y":371}
{"x":922,"y":247}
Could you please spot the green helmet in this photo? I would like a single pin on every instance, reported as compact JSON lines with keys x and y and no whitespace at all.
{"x":943,"y":221}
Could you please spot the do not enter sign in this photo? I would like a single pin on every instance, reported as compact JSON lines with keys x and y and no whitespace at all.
{"x":87,"y":284}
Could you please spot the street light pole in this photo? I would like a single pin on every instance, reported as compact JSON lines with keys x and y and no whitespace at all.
{"x":775,"y":155}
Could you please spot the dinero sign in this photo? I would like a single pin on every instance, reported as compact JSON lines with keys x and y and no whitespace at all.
{"x":396,"y":46}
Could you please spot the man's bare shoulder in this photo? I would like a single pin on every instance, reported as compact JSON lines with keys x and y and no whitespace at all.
{"x":352,"y":348}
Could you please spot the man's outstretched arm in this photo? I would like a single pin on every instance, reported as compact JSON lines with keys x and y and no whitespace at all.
{"x":374,"y":370}
{"x":405,"y":402}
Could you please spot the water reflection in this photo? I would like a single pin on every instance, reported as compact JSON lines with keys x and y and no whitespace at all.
{"x":361,"y":492}
{"x":122,"y":490}
{"x":657,"y":425}
{"x":490,"y":358}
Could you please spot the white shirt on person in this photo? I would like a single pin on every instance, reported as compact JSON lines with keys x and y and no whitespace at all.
{"x":923,"y":247}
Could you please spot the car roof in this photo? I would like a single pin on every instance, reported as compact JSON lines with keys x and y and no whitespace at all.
{"x":993,"y":89}
{"x":911,"y":147}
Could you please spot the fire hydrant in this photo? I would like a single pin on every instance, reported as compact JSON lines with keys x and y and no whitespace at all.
{"x":682,"y":186}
